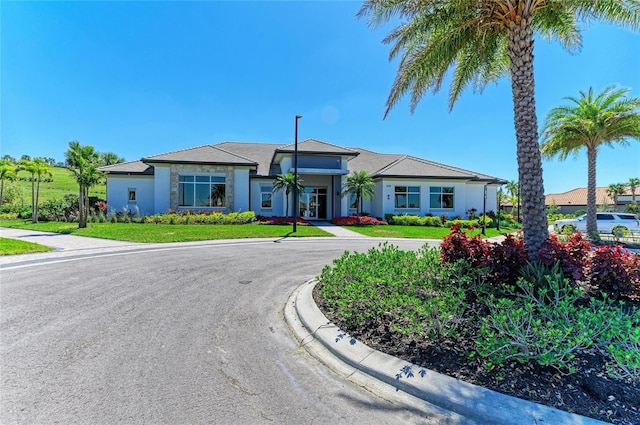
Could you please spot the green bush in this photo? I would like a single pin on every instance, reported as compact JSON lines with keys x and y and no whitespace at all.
{"x":577,"y":213}
{"x":412,"y":291}
{"x":188,"y":217}
{"x":415,"y":220}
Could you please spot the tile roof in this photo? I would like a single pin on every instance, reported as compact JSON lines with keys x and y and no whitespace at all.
{"x":132,"y":167}
{"x":317,"y":146}
{"x":206,"y":154}
{"x":579,"y":197}
{"x":261,"y":153}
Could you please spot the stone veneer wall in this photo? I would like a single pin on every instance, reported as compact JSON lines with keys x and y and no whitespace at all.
{"x":186,"y":169}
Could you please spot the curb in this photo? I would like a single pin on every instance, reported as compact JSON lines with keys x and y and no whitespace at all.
{"x":350,"y":358}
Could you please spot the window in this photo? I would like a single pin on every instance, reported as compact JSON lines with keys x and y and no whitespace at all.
{"x":131,"y":195}
{"x":201,"y":191}
{"x":441,"y":197}
{"x":353,"y":202}
{"x":407,"y":197}
{"x":266,"y":194}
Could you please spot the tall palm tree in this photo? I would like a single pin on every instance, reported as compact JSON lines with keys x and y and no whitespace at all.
{"x":513,"y":187}
{"x":7,"y":172}
{"x":592,"y":121}
{"x":614,"y":190}
{"x":483,"y":40}
{"x":38,"y":168}
{"x":287,"y":182}
{"x":83,"y":162}
{"x":361,"y":184}
{"x":633,"y":184}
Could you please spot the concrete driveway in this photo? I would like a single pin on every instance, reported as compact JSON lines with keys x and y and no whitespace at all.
{"x":185,"y":333}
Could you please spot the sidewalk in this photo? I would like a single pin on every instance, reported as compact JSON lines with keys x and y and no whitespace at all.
{"x":338,"y":231}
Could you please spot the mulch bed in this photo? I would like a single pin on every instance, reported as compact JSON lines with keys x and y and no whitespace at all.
{"x":588,"y":392}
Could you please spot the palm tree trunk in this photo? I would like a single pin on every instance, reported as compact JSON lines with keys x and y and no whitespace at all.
{"x":286,"y":198}
{"x":86,"y":205}
{"x":34,"y":212}
{"x":592,"y":225}
{"x":535,"y":225}
{"x":1,"y":191}
{"x":81,"y":213}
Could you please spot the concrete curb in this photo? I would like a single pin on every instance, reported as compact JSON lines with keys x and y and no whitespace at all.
{"x":348,"y":357}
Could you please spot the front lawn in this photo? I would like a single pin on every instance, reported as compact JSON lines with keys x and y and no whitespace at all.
{"x":135,"y":232}
{"x":419,"y":232}
{"x":14,"y":247}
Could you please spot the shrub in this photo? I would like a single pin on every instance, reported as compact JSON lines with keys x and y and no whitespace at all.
{"x":458,"y":246}
{"x":505,"y":259}
{"x":615,"y":270}
{"x":284,"y":220}
{"x":461,"y":222}
{"x":578,"y":213}
{"x":353,"y":220}
{"x":415,"y":220}
{"x":571,"y":255}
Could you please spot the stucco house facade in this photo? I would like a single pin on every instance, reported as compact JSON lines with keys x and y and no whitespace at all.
{"x":237,"y":176}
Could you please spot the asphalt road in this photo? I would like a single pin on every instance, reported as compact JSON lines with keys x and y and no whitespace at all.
{"x":187,"y":335}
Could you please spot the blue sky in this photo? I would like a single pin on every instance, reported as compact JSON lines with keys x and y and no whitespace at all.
{"x":142,"y":78}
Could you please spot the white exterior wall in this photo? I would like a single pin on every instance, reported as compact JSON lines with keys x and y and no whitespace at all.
{"x":118,"y":193}
{"x":475,"y":197}
{"x":277,"y":200}
{"x":162,"y":189}
{"x":241,"y":189}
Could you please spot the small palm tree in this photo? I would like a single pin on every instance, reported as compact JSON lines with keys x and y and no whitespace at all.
{"x":633,"y":184}
{"x":7,"y":172}
{"x":615,"y":190}
{"x":83,"y":162}
{"x":592,"y":121}
{"x":361,"y":184}
{"x":287,"y":182}
{"x":38,"y":168}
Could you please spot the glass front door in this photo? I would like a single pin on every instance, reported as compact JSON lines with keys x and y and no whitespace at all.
{"x":313,"y":203}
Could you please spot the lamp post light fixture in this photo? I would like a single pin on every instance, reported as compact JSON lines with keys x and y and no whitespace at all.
{"x":296,"y":201}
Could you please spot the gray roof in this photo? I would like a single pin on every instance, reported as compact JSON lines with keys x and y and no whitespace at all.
{"x":318,"y":147}
{"x":206,"y":154}
{"x":133,"y":167}
{"x":262,"y":155}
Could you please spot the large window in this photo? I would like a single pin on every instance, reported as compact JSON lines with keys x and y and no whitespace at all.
{"x":441,"y":197}
{"x":407,"y":197}
{"x":201,"y":191}
{"x":266,"y":197}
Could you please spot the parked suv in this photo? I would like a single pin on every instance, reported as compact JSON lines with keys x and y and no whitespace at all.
{"x":607,"y":223}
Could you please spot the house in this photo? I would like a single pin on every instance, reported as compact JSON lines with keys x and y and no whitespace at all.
{"x":576,"y":199}
{"x":235,"y":176}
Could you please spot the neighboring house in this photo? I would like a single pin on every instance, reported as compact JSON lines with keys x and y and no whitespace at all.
{"x":576,"y":199}
{"x":235,"y":176}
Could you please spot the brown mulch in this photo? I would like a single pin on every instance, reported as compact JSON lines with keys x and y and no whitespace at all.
{"x":589,"y":392}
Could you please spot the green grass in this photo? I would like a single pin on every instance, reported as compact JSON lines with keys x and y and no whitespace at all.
{"x":134,"y":232}
{"x":14,"y":247}
{"x":418,"y":232}
{"x":63,"y":183}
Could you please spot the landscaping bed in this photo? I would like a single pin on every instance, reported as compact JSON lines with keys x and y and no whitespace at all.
{"x":556,"y":341}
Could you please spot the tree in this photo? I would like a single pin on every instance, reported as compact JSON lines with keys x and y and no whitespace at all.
{"x":481,"y":41}
{"x":633,"y":184}
{"x":590,"y":122}
{"x":513,"y":187}
{"x":615,"y":190}
{"x":361,"y":184}
{"x":286,"y":182}
{"x":37,"y":168}
{"x":110,"y":158}
{"x":8,"y":158}
{"x":83,"y":162}
{"x":7,"y":172}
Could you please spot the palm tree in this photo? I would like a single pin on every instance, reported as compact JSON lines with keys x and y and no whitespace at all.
{"x":615,"y":190}
{"x":37,"y":168}
{"x":592,"y":121}
{"x":7,"y":172}
{"x":482,"y":40}
{"x":287,"y":182}
{"x":361,"y":184}
{"x":633,"y":184}
{"x":83,"y":162}
{"x":110,"y":158}
{"x":513,"y":187}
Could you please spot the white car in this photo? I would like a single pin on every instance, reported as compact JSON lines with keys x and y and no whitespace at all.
{"x":607,"y":222}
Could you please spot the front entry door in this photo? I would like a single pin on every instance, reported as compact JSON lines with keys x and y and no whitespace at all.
{"x":313,"y":203}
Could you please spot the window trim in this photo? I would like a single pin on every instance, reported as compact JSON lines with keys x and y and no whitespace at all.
{"x":195,"y":183}
{"x":132,"y":190}
{"x":266,"y":190}
{"x":407,"y":192}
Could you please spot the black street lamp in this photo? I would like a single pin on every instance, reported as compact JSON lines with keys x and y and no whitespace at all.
{"x":296,"y":201}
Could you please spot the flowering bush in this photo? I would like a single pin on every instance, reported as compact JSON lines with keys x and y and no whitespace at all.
{"x":192,"y":217}
{"x":458,"y":246}
{"x":353,"y":220}
{"x":571,"y":255}
{"x":283,"y":220}
{"x":615,"y":270}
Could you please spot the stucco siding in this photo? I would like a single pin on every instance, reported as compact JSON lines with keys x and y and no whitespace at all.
{"x":161,"y":189}
{"x":118,"y":188}
{"x":241,"y":189}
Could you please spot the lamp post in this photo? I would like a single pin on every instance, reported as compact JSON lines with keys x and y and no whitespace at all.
{"x":296,"y":201}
